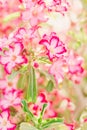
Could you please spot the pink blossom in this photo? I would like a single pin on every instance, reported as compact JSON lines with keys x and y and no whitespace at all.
{"x":5,"y":123}
{"x":6,"y":84}
{"x":54,"y":47}
{"x":10,"y":98}
{"x":34,"y":14}
{"x":12,"y":57}
{"x":75,"y":69}
{"x":24,"y":35}
{"x":56,"y":5}
{"x":37,"y":107}
{"x":58,"y":70}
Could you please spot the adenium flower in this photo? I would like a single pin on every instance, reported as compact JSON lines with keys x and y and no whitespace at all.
{"x":12,"y":57}
{"x":75,"y":69}
{"x":5,"y":123}
{"x":6,"y":84}
{"x":24,"y":35}
{"x":37,"y":107}
{"x":58,"y":69}
{"x":34,"y":14}
{"x":54,"y":46}
{"x":10,"y":98}
{"x":56,"y":5}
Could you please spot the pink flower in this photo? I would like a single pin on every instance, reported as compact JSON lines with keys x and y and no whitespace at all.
{"x":6,"y":84}
{"x":58,"y":69}
{"x":34,"y":14}
{"x":5,"y":123}
{"x":24,"y":35}
{"x":74,"y":62}
{"x":75,"y":69}
{"x":56,"y":5}
{"x":54,"y":47}
{"x":10,"y":98}
{"x":37,"y":107}
{"x":12,"y":57}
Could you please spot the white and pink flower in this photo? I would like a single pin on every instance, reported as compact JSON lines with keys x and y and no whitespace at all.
{"x":34,"y":14}
{"x":75,"y":66}
{"x":13,"y":57}
{"x":5,"y":123}
{"x":54,"y":46}
{"x":6,"y":84}
{"x":11,"y":98}
{"x":58,"y":70}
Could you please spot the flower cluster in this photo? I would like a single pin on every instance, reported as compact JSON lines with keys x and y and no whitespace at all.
{"x":41,"y":59}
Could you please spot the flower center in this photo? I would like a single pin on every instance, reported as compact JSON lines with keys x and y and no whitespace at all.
{"x":51,"y":50}
{"x":14,"y":57}
{"x":35,"y":13}
{"x":4,"y":122}
{"x":10,"y":84}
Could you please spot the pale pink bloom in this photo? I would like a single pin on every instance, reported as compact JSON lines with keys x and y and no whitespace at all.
{"x":12,"y":57}
{"x":6,"y":84}
{"x":34,"y":15}
{"x":56,"y":5}
{"x":23,"y":34}
{"x":5,"y":123}
{"x":10,"y":98}
{"x":74,"y":64}
{"x":54,"y":47}
{"x":58,"y":70}
{"x":61,"y":5}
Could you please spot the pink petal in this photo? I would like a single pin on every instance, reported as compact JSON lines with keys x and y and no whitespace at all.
{"x":18,"y":48}
{"x":4,"y":59}
{"x":54,"y":41}
{"x":60,"y":50}
{"x":9,"y":67}
{"x":21,"y":60}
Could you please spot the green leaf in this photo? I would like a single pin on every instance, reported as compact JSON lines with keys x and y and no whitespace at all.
{"x":25,"y":108}
{"x":26,"y":126}
{"x":57,"y":126}
{"x":49,"y":86}
{"x":43,"y":109}
{"x":42,"y":112}
{"x":11,"y":16}
{"x":22,"y":82}
{"x":48,"y":122}
{"x":32,"y":90}
{"x":44,"y":60}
